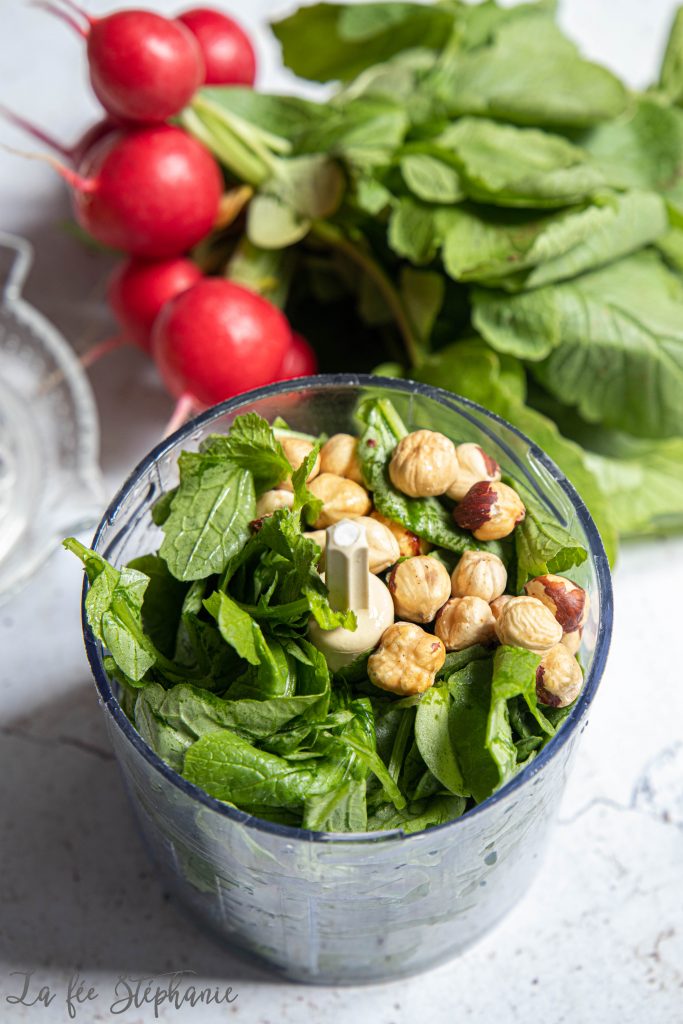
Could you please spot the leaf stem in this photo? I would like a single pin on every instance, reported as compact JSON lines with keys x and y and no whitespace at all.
{"x":328,"y":233}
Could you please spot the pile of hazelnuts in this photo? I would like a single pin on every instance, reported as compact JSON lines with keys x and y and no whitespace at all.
{"x":466,"y":607}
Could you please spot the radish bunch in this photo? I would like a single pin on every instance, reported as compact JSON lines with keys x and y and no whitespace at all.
{"x":146,"y":187}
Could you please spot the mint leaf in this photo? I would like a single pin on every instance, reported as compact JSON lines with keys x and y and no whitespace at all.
{"x":251,"y":444}
{"x":209,"y":516}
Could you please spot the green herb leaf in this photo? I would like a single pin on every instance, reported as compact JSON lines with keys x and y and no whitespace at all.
{"x":209,"y":517}
{"x":432,"y":734}
{"x":251,"y":444}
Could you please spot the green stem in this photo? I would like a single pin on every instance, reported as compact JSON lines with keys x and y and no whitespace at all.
{"x":224,"y":144}
{"x":332,"y":236}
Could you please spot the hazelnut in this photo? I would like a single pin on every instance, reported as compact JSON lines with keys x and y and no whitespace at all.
{"x":341,"y":498}
{"x":409,"y":543}
{"x":406,"y":660}
{"x":473,"y":465}
{"x":558,"y":678}
{"x":423,"y":464}
{"x":572,"y":641}
{"x":419,"y":587}
{"x":479,"y":574}
{"x":271,"y":501}
{"x":382,"y":545}
{"x":498,"y":605}
{"x":339,"y":456}
{"x":463,"y":622}
{"x":526,"y":622}
{"x":296,"y":449}
{"x":567,"y":601}
{"x":490,"y":509}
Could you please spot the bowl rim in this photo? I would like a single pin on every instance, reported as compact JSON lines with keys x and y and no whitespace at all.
{"x":596,"y":553}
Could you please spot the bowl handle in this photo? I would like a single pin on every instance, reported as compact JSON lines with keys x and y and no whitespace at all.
{"x":12,"y":279}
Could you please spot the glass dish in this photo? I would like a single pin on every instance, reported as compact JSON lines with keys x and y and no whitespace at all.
{"x":50,"y":483}
{"x":355,"y":908}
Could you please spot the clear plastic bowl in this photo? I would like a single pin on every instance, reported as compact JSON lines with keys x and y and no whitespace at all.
{"x":50,"y":482}
{"x":354,"y":908}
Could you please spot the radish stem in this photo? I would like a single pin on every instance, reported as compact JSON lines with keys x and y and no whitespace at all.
{"x":184,"y":408}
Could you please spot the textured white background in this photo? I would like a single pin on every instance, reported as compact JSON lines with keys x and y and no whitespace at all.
{"x":600,"y":935}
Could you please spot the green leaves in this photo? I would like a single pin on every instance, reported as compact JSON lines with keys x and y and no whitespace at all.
{"x":531,"y":75}
{"x":251,"y":444}
{"x":114,"y":609}
{"x":609,"y":342}
{"x":511,"y":166}
{"x":671,"y":76}
{"x":520,"y":250}
{"x":209,"y":516}
{"x":432,"y":734}
{"x":330,"y":41}
{"x":542,"y":544}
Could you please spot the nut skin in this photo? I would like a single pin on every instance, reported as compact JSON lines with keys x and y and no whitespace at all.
{"x":490,"y":509}
{"x":406,"y":660}
{"x":474,"y":465}
{"x":409,"y":543}
{"x":464,"y":622}
{"x":296,"y":449}
{"x":423,"y":464}
{"x":342,"y":499}
{"x":271,"y":501}
{"x":526,"y":622}
{"x":479,"y":574}
{"x":498,"y":605}
{"x":419,"y":587}
{"x":339,"y":456}
{"x":566,"y":600}
{"x":382,"y":545}
{"x":558,"y":678}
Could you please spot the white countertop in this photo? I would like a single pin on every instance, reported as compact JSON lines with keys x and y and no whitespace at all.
{"x":599,"y":936}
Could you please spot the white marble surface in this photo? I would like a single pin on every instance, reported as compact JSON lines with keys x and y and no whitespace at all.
{"x":600,"y":935}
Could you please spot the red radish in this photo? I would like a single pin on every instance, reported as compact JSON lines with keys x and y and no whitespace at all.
{"x":75,"y":153}
{"x":229,"y":57}
{"x":300,"y":359}
{"x":153,"y":192}
{"x":216,"y":340}
{"x":143,"y":67}
{"x":138,"y":289}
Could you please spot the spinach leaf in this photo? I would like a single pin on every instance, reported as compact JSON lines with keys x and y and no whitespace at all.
{"x":455,"y":660}
{"x":514,"y":674}
{"x":470,"y":690}
{"x":382,"y":429}
{"x":342,"y":810}
{"x":542,"y":544}
{"x":251,"y":444}
{"x":432,"y":735}
{"x":418,"y":815}
{"x":162,"y":603}
{"x":209,"y":517}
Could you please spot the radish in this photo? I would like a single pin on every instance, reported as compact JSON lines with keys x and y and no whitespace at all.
{"x":300,"y":359}
{"x":153,"y":192}
{"x":229,"y":57}
{"x":143,"y":67}
{"x":216,"y":340}
{"x":138,"y":289}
